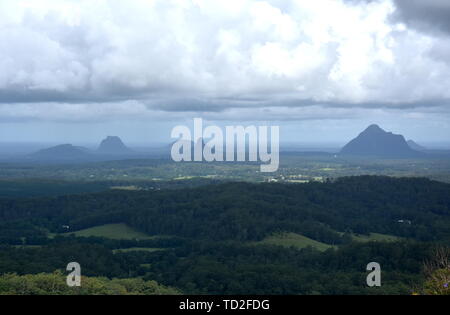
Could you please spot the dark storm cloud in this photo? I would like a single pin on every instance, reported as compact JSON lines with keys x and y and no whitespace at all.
{"x":425,"y":15}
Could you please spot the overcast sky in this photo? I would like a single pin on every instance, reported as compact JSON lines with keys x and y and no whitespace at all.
{"x":76,"y":71}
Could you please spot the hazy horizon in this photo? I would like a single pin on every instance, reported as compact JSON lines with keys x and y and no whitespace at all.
{"x":310,"y":140}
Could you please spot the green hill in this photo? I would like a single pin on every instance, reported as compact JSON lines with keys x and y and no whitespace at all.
{"x":294,"y":240}
{"x":113,"y":231}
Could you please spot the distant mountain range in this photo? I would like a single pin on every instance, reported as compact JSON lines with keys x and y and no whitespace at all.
{"x":376,"y":142}
{"x":110,"y":146}
{"x":372,"y":142}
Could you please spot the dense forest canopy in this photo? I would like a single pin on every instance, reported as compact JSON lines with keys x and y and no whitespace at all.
{"x":407,"y":207}
{"x":210,"y":239}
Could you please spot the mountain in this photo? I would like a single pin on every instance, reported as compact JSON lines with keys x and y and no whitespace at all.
{"x":376,"y":142}
{"x":113,"y":145}
{"x":413,"y":145}
{"x":61,"y":152}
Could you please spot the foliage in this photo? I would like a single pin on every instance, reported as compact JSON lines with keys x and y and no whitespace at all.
{"x":437,"y":270}
{"x":438,"y":283}
{"x":212,"y":228}
{"x":406,"y":207}
{"x":55,"y":284}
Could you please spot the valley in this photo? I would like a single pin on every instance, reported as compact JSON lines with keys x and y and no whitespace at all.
{"x":231,"y":231}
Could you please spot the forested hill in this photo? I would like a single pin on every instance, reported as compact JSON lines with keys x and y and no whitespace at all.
{"x":407,"y":207}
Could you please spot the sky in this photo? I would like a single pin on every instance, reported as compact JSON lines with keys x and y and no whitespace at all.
{"x":75,"y":71}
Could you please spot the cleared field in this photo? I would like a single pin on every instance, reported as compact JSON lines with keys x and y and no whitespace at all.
{"x":113,"y":231}
{"x":137,"y":249}
{"x":375,"y":237}
{"x":294,"y":240}
{"x":129,"y":188}
{"x":300,"y":241}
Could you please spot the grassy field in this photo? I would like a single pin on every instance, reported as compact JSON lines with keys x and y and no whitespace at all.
{"x":113,"y":231}
{"x":137,"y":249}
{"x":300,"y":241}
{"x":295,"y":240}
{"x":375,"y":237}
{"x":129,"y":188}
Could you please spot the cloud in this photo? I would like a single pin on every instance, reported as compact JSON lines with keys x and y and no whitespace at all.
{"x":142,"y":58}
{"x":138,"y":112}
{"x":430,"y":15}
